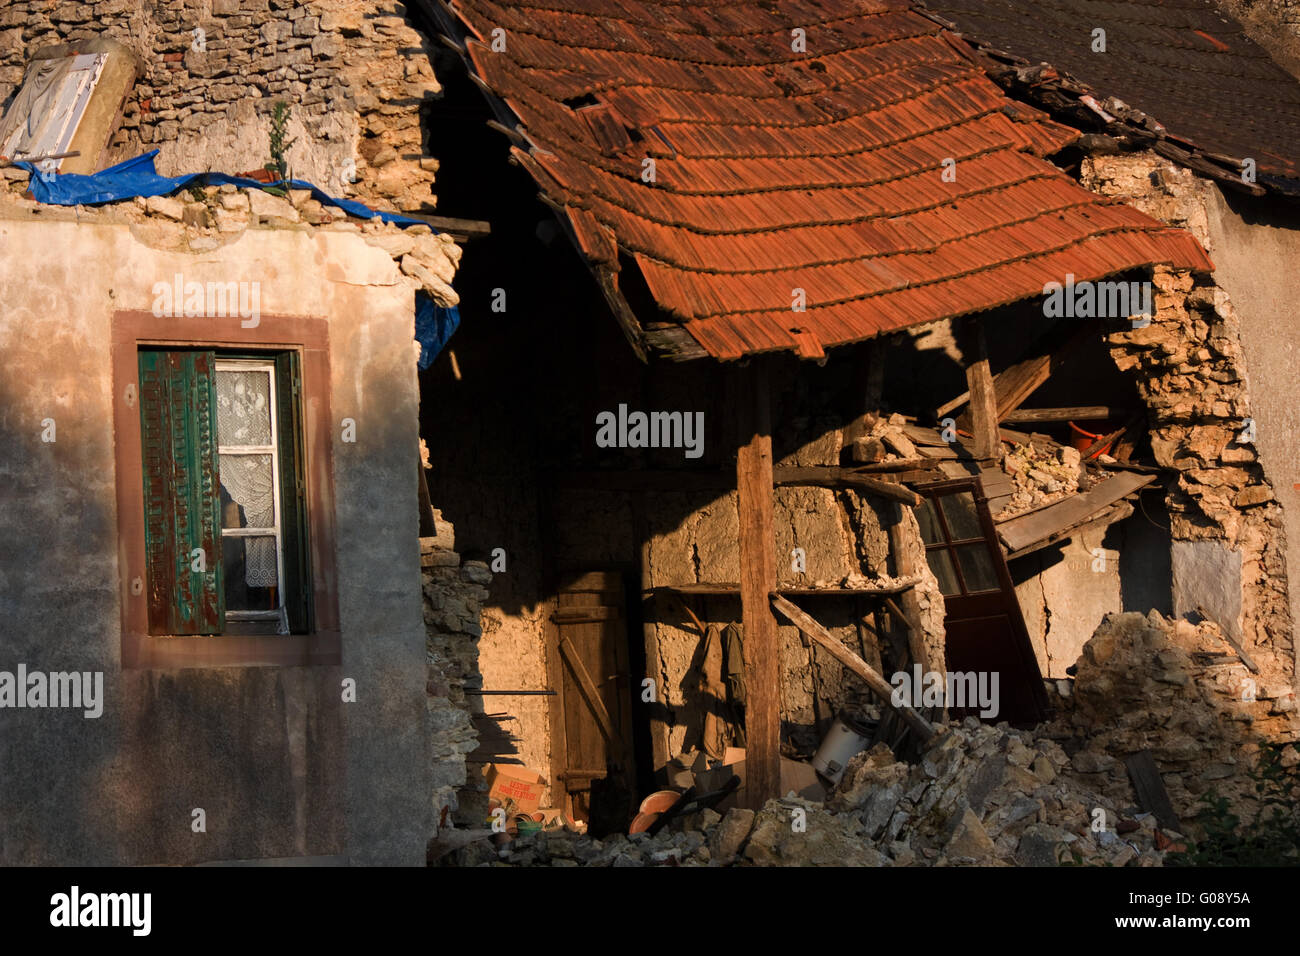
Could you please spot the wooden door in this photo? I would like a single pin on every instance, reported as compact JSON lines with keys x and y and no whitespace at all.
{"x":597,"y":766}
{"x":985,"y":632}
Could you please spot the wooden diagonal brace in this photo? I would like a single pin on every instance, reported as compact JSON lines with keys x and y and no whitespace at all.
{"x":879,"y":686}
{"x":592,"y":693}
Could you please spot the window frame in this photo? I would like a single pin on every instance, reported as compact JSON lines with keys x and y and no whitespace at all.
{"x":949,"y":545}
{"x":309,"y":338}
{"x":225,"y":362}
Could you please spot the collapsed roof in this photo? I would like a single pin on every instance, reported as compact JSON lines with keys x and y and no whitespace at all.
{"x":775,"y":167}
{"x":1186,"y":65}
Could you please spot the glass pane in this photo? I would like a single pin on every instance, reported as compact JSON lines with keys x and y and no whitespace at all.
{"x":963,"y":521}
{"x":941,"y":565}
{"x":250,"y":572}
{"x":977,"y":568}
{"x":244,"y":408}
{"x":247,"y":491}
{"x":929,"y":522}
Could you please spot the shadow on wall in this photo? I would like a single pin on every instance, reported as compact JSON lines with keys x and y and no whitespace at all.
{"x":259,"y":750}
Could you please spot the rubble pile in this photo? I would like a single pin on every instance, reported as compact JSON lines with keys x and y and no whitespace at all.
{"x":980,"y":795}
{"x":1041,"y":475}
{"x":1179,"y":690}
{"x":997,"y":796}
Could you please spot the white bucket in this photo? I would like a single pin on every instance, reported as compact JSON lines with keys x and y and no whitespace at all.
{"x":845,"y":738}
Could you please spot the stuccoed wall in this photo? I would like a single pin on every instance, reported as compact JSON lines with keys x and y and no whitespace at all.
{"x":281,"y":765}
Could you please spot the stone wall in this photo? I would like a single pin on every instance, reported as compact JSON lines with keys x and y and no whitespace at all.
{"x":1230,"y":541}
{"x":352,"y":73}
{"x":453,"y":601}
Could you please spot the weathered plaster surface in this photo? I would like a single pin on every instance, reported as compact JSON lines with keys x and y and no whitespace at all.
{"x":280,"y":764}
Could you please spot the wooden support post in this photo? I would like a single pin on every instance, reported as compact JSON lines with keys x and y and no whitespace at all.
{"x":983,"y":399}
{"x":757,"y":582}
{"x":907,"y":565}
{"x":879,"y":686}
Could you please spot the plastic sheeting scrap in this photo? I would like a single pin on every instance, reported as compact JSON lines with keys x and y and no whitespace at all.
{"x":434,"y":325}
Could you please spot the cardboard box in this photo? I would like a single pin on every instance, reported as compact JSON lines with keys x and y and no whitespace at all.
{"x":795,"y":776}
{"x":519,"y":786}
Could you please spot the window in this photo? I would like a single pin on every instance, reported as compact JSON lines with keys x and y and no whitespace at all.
{"x":44,"y":116}
{"x":956,"y":544}
{"x":226,"y":543}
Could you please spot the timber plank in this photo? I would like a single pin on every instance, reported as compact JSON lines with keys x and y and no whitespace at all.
{"x":1149,"y":787}
{"x":755,"y":503}
{"x":1019,"y":533}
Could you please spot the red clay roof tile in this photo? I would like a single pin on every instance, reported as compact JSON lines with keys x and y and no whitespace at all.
{"x":776,"y":170}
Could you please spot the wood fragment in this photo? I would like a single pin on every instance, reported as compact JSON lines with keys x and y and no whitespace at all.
{"x":1020,"y":532}
{"x":1149,"y":787}
{"x":1078,"y":413}
{"x":830,"y":477}
{"x":1017,"y":382}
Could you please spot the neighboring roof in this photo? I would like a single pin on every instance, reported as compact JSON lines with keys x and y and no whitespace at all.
{"x":778,"y":170}
{"x":1184,"y":63}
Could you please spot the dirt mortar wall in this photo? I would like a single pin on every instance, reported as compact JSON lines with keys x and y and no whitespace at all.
{"x":353,"y":75}
{"x":1190,"y":370}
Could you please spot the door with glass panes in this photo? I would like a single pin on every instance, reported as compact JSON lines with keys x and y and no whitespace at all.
{"x":985,"y":631}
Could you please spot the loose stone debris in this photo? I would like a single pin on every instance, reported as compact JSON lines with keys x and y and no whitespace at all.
{"x":1057,"y":795}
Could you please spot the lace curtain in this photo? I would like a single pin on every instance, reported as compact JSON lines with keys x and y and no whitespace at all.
{"x":244,"y":418}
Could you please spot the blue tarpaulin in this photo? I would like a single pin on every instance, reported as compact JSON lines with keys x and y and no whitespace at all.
{"x":434,"y":324}
{"x":137,"y":177}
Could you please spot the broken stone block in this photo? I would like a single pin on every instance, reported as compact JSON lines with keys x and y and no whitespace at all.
{"x":165,"y":206}
{"x":476,"y":572}
{"x":1042,"y":769}
{"x":968,"y":840}
{"x":1253,"y":495}
{"x":1039,"y":845}
{"x":265,"y":206}
{"x":731,"y":834}
{"x":196,"y":214}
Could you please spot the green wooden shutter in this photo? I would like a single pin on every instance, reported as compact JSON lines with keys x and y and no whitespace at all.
{"x":182,"y":498}
{"x":293,"y":495}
